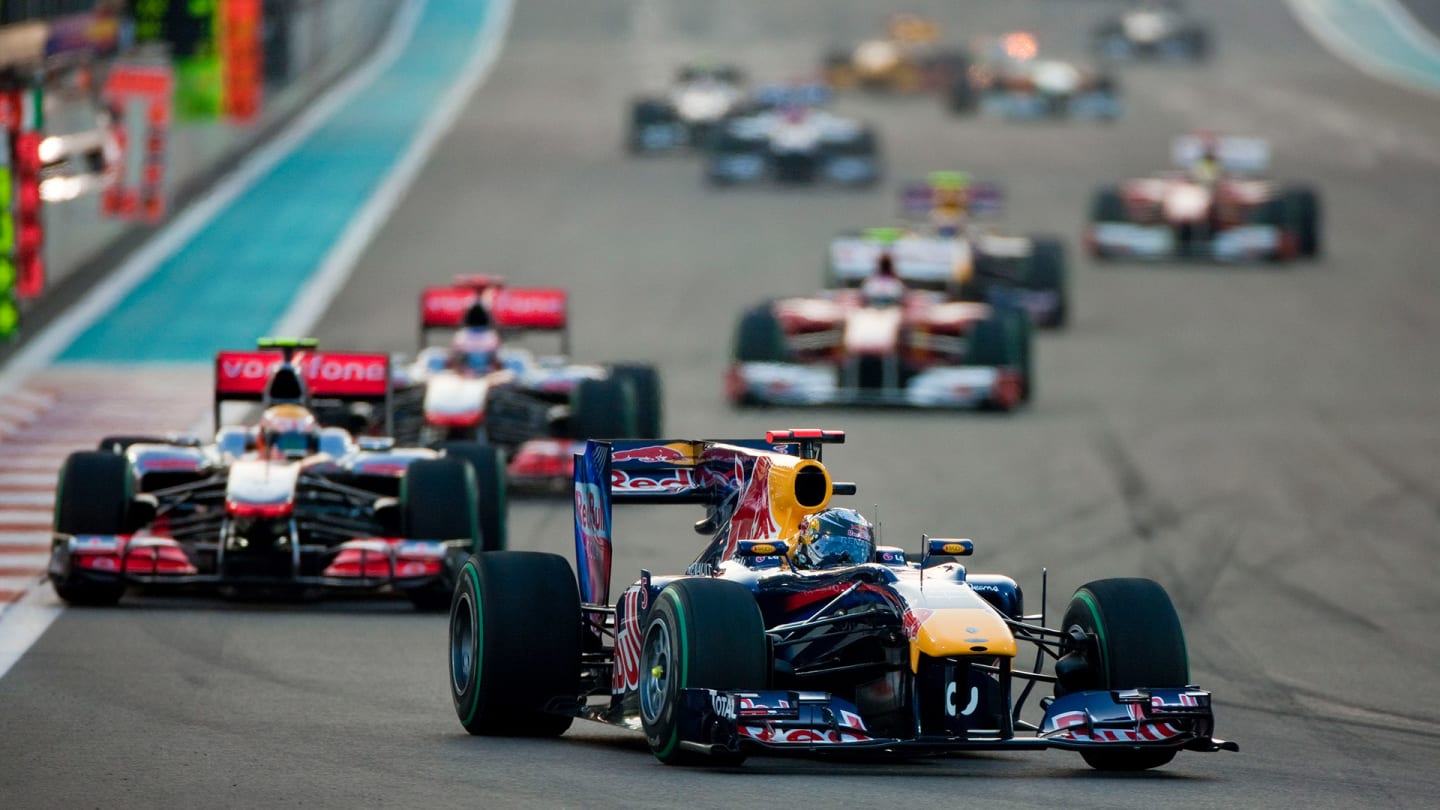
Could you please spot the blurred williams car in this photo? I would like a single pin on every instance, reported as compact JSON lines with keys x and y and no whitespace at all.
{"x":1012,"y":81}
{"x":907,"y":60}
{"x":794,"y":141}
{"x":1216,"y":205}
{"x":1153,"y":29}
{"x":702,"y":97}
{"x":958,"y":254}
{"x":535,"y":408}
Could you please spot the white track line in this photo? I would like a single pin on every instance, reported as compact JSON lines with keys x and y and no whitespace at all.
{"x":315,"y":296}
{"x":1337,"y":40}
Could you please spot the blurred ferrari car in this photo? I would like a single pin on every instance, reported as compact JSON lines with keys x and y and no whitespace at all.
{"x":483,"y":386}
{"x":702,"y":97}
{"x":1012,"y":81}
{"x":1153,"y":29}
{"x":881,"y":345}
{"x":285,"y":503}
{"x":907,"y":60}
{"x":1217,"y":204}
{"x":959,"y":253}
{"x":794,"y":141}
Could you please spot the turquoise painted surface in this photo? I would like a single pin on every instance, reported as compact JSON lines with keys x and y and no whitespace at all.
{"x":239,"y":274}
{"x":1384,"y":39}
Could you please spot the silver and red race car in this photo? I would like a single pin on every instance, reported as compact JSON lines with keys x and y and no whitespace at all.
{"x":854,"y":347}
{"x":1010,"y":80}
{"x":537,"y":409}
{"x":1216,"y":205}
{"x":288,"y":504}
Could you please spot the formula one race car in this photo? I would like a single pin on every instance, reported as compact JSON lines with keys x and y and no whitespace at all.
{"x":287,"y":504}
{"x":968,"y":260}
{"x":1012,"y":82}
{"x":886,"y":346}
{"x":702,"y":97}
{"x":1217,"y":205}
{"x":534,"y":408}
{"x":794,"y":632}
{"x":794,"y":143}
{"x":906,"y":61}
{"x":1152,"y":29}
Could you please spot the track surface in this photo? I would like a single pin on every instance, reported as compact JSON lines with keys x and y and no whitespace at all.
{"x":1262,"y":441}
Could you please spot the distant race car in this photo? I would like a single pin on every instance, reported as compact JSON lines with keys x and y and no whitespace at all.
{"x":795,"y":632}
{"x":1216,"y":205}
{"x":702,"y":97}
{"x":534,"y":408}
{"x":793,"y":142}
{"x":1012,"y":81}
{"x":906,"y":60}
{"x":919,"y":349}
{"x":284,"y":504}
{"x":1153,"y":29}
{"x":959,"y":255}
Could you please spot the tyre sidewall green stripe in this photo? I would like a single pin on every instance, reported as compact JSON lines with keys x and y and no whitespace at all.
{"x":682,"y":664}
{"x":1090,"y":604}
{"x":469,"y":570}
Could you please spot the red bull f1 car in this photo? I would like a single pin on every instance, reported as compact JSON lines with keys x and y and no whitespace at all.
{"x":795,"y":632}
{"x":536,"y":409}
{"x":849,"y":347}
{"x":1216,"y":205}
{"x":288,"y":505}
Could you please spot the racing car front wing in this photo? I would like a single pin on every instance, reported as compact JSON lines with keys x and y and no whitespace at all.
{"x":823,"y":384}
{"x":809,"y":723}
{"x":1099,"y":105}
{"x":1238,"y":244}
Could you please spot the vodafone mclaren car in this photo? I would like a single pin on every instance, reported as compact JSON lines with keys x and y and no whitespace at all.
{"x":795,"y":632}
{"x":794,"y":143}
{"x":703,"y":96}
{"x":287,"y":504}
{"x":1014,"y":82}
{"x":1216,"y":205}
{"x":482,"y":387}
{"x":958,"y":253}
{"x":907,"y":60}
{"x":1153,"y":29}
{"x":847,"y":347}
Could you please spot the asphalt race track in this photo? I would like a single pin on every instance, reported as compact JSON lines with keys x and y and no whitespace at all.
{"x":1261,"y":440}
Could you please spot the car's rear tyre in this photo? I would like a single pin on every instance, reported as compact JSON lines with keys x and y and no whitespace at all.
{"x":92,"y":496}
{"x":603,"y":409}
{"x":515,"y":644}
{"x":490,"y":490}
{"x":1047,"y":272}
{"x":437,"y":502}
{"x":704,"y":634}
{"x":1106,"y":205}
{"x":1307,"y":202}
{"x":1135,"y":642}
{"x":760,"y":337}
{"x":644,"y":381}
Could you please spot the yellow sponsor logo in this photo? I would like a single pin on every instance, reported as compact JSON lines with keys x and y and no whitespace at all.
{"x":953,"y":548}
{"x":762,"y":549}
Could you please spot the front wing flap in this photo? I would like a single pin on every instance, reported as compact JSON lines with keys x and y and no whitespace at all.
{"x":779,"y":722}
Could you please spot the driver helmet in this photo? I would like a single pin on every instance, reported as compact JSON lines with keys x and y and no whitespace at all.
{"x":884,"y":288}
{"x":288,"y":430}
{"x":475,"y":350}
{"x":833,"y":538}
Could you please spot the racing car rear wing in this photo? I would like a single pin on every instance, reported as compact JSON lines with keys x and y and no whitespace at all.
{"x":250,"y":376}
{"x":754,"y":489}
{"x":920,"y":198}
{"x":507,"y":309}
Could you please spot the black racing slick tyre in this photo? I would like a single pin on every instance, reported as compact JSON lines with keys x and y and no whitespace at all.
{"x":1133,"y":640}
{"x":644,"y":382}
{"x":1307,"y":201}
{"x":701,"y":633}
{"x":1047,"y":272}
{"x":92,"y":496}
{"x":1004,"y":340}
{"x":760,"y":337}
{"x":437,"y":502}
{"x":490,"y":490}
{"x":515,"y":644}
{"x":603,"y":409}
